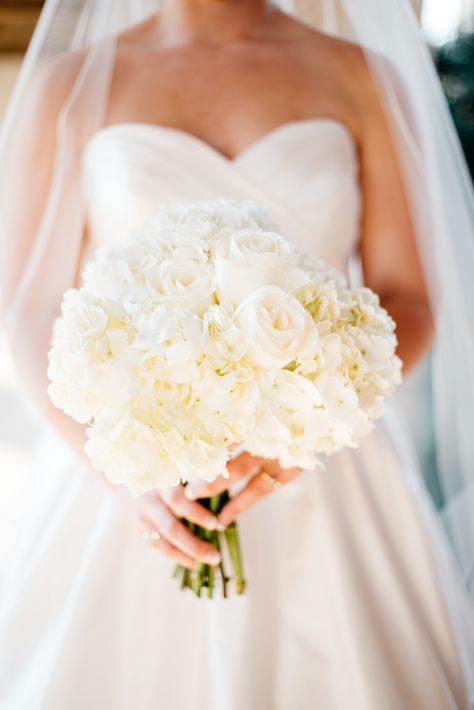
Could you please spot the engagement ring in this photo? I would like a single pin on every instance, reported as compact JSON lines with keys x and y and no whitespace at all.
{"x":151,"y":536}
{"x":270,"y":479}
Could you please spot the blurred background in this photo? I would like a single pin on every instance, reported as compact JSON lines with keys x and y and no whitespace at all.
{"x":448,"y":26}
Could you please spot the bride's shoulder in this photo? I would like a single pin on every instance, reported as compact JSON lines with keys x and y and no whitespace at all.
{"x":313,"y":38}
{"x":337,"y":63}
{"x":54,"y":79}
{"x":344,"y":59}
{"x":49,"y":87}
{"x":345,"y":72}
{"x":347,"y":66}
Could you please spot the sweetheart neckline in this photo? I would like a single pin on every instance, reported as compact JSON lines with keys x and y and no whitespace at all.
{"x":204,"y":145}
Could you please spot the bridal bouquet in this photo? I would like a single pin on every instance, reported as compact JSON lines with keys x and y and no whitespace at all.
{"x":208,"y":328}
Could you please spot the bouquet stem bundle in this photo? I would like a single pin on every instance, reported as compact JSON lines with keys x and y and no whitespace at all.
{"x":204,"y":578}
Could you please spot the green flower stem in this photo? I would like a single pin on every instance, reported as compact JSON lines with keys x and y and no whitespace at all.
{"x":198,"y":577}
{"x":203,"y":576}
{"x":210,"y":588}
{"x":232,"y":538}
{"x":185,"y":578}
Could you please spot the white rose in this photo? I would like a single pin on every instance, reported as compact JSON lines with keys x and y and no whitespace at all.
{"x":187,"y":283}
{"x":247,"y":259}
{"x":189,"y":246}
{"x":276,"y":327}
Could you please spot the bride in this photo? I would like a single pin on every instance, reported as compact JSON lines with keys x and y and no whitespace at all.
{"x":347,"y":604}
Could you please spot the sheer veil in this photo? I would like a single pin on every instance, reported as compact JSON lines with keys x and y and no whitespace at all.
{"x":82,"y":34}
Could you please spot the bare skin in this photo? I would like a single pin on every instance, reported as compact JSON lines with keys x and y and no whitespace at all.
{"x":229,"y":72}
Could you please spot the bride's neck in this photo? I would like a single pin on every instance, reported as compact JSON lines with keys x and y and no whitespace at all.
{"x":215,"y":21}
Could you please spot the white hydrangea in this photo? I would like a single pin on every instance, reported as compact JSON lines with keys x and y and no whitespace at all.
{"x":209,"y":328}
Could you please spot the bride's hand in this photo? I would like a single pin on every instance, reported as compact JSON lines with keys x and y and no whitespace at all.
{"x":265,"y":476}
{"x":158,"y":516}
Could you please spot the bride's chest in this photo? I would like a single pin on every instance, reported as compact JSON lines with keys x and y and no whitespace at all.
{"x":304,"y":173}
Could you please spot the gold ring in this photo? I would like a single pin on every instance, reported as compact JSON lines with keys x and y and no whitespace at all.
{"x":270,"y":480}
{"x":151,"y":536}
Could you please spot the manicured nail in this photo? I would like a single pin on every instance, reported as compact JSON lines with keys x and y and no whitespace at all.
{"x":212,"y":523}
{"x":190,"y":491}
{"x":213,"y":558}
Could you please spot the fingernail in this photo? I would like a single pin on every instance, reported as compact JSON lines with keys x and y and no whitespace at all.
{"x":215,"y":524}
{"x":213,"y":558}
{"x":189,"y":491}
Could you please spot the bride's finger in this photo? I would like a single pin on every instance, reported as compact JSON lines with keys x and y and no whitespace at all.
{"x":165,"y":547}
{"x":258,"y":487}
{"x":178,"y":534}
{"x":193,"y":511}
{"x":239,"y":468}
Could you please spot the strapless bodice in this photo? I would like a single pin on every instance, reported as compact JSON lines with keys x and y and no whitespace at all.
{"x":303,"y":173}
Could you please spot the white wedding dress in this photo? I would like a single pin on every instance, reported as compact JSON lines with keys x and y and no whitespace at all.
{"x":344,"y":608}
